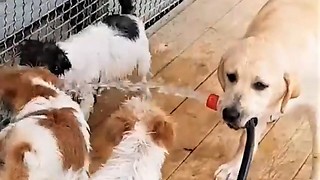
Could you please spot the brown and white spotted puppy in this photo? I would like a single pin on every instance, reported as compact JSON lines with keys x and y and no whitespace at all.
{"x":44,"y":134}
{"x":139,"y":134}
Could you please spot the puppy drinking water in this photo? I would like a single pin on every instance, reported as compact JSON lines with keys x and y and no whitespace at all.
{"x":104,"y":51}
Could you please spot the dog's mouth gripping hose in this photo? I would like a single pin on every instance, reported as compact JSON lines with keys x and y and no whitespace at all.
{"x":248,"y":150}
{"x":212,"y":102}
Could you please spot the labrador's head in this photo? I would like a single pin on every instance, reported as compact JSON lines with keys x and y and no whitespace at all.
{"x":255,"y":81}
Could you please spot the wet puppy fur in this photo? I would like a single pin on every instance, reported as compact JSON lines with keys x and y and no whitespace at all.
{"x":45,"y":54}
{"x":108,"y":135}
{"x":159,"y":130}
{"x":48,"y":54}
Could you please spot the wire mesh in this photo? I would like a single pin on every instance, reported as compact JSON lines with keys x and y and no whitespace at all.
{"x":58,"y":19}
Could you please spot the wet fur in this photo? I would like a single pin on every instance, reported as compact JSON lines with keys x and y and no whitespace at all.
{"x":36,"y":116}
{"x":140,"y":135}
{"x":36,"y":53}
{"x":96,"y":54}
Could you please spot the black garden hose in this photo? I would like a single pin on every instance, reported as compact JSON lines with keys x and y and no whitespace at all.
{"x":211,"y":103}
{"x":248,"y":151}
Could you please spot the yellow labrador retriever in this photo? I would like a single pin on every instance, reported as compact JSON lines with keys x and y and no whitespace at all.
{"x":276,"y":60}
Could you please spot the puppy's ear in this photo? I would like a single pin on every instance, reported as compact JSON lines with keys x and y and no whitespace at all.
{"x":119,"y":122}
{"x":292,"y":90}
{"x":221,"y":73}
{"x":24,"y":43}
{"x":23,"y":46}
{"x":49,"y":46}
{"x":162,"y":131}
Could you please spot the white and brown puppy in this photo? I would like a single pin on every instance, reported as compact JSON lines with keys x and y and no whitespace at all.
{"x":108,"y":50}
{"x":147,"y":135}
{"x":276,"y":60}
{"x":44,"y":135}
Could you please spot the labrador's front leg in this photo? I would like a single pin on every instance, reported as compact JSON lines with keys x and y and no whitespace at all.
{"x":230,"y":170}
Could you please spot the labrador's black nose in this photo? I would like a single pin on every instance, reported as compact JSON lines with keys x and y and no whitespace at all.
{"x":230,"y":114}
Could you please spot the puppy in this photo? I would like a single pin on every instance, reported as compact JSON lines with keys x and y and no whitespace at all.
{"x":276,"y":60}
{"x":44,"y":134}
{"x":147,"y":135}
{"x":39,"y":54}
{"x":105,"y":51}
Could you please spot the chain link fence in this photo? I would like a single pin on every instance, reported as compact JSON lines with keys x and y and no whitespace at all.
{"x":58,"y":19}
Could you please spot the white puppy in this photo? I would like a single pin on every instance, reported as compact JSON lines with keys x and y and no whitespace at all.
{"x":105,"y":51}
{"x":277,"y":60}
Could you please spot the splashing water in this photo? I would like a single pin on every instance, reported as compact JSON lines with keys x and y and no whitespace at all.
{"x":160,"y":88}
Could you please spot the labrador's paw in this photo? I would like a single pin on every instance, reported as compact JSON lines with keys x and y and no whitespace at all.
{"x":228,"y":171}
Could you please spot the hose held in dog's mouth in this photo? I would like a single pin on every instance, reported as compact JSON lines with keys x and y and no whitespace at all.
{"x":211,"y":103}
{"x":248,"y":151}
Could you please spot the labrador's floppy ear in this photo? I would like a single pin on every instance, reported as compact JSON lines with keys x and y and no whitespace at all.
{"x":292,"y":90}
{"x":221,"y":73}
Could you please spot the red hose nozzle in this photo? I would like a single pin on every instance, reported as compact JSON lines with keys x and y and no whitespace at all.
{"x":212,"y":101}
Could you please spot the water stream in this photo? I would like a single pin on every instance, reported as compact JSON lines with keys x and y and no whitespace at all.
{"x":160,"y":88}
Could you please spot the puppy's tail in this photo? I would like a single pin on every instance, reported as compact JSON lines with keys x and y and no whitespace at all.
{"x":126,"y":6}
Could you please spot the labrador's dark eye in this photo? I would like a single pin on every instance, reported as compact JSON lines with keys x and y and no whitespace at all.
{"x":259,"y":86}
{"x":232,"y":77}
